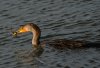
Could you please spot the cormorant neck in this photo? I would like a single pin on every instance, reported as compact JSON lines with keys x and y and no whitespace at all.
{"x":35,"y":39}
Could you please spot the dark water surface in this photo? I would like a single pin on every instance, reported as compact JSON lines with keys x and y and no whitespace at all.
{"x":70,"y":19}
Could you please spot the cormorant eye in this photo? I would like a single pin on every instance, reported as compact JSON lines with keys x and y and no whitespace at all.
{"x":21,"y":26}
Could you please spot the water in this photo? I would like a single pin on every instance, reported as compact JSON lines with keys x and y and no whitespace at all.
{"x":70,"y":19}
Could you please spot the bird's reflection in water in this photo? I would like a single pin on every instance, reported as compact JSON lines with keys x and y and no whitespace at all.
{"x":35,"y":54}
{"x":31,"y":57}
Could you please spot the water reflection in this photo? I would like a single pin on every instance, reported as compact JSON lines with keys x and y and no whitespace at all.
{"x":29,"y":59}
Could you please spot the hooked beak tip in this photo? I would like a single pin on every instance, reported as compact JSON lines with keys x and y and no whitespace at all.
{"x":14,"y":34}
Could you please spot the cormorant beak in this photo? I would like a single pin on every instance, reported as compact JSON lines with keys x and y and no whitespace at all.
{"x":19,"y":31}
{"x":14,"y":34}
